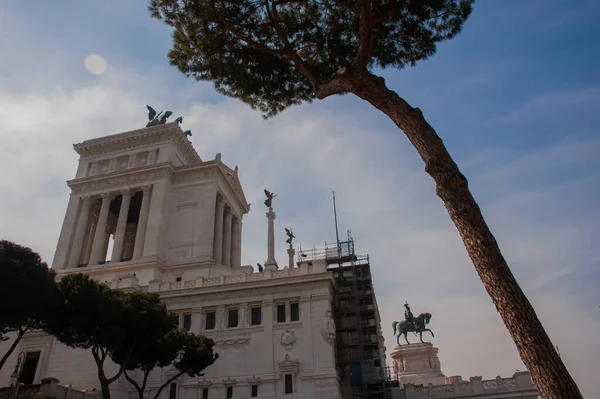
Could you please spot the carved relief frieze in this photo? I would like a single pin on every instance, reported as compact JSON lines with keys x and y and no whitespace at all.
{"x":139,"y":138}
{"x":232,"y":342}
{"x":185,"y":176}
{"x":117,"y":181}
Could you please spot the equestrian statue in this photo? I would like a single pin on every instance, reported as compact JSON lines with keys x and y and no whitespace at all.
{"x":413,"y":324}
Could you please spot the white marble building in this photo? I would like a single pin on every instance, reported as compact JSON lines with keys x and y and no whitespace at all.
{"x":417,"y":369}
{"x":177,"y":227}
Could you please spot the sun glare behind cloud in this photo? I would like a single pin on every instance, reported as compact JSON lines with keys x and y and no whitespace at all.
{"x":95,"y":64}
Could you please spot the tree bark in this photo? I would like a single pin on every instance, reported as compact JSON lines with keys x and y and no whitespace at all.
{"x":12,"y":347}
{"x":163,"y":386}
{"x":139,"y":389}
{"x":537,"y":352}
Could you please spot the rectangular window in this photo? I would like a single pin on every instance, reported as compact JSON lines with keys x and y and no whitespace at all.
{"x":281,"y":313}
{"x":173,"y":390}
{"x":254,"y":391}
{"x":229,"y":392}
{"x":210,"y":321}
{"x":29,"y":368}
{"x":295,"y":311}
{"x":256,"y":316}
{"x":232,"y":320}
{"x":205,"y":393}
{"x":177,"y":279}
{"x":187,"y":322}
{"x":289,"y":386}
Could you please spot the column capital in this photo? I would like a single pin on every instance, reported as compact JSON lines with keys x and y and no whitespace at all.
{"x":127,"y":192}
{"x":146,"y":188}
{"x":87,"y":200}
{"x":108,"y":195}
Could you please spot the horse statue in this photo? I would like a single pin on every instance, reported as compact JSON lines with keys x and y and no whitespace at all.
{"x":417,"y":326}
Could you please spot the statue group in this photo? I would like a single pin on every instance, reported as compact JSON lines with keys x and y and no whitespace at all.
{"x":411,"y":324}
{"x":155,"y":119}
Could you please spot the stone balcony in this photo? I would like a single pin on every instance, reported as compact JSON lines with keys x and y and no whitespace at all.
{"x":246,"y":276}
{"x":519,"y":385}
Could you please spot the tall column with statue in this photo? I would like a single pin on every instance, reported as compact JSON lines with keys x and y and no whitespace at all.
{"x":270,"y":263}
{"x":291,"y":251}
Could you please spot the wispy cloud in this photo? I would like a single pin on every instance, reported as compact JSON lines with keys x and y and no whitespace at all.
{"x":540,"y":201}
{"x":555,"y":101}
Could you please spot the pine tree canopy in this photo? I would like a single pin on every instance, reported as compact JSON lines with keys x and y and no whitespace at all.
{"x":272,"y":54}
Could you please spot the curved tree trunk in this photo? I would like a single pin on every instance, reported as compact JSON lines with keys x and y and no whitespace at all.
{"x":549,"y":373}
{"x":13,"y":346}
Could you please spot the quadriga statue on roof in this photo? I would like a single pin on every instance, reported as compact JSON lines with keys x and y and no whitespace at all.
{"x":411,"y":323}
{"x":157,"y":119}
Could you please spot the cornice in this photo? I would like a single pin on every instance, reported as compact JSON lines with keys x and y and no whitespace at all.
{"x":232,"y":179}
{"x":121,"y":178}
{"x":194,"y":172}
{"x":139,"y":138}
{"x":268,"y":283}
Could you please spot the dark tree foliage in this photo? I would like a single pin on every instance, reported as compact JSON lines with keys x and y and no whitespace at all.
{"x":235,"y":45}
{"x":27,"y":293}
{"x":273,"y":54}
{"x":188,"y":353}
{"x":109,"y":323}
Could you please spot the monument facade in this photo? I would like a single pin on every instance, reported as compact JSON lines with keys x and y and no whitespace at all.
{"x":147,"y":213}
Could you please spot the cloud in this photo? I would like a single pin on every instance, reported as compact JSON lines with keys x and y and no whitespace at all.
{"x":541,"y":204}
{"x":544,"y":103}
{"x":303,"y":154}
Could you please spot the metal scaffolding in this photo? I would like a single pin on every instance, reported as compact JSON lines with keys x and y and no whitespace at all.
{"x":360,"y":353}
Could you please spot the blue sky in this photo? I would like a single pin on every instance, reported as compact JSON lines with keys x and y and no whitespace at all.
{"x":515,"y":97}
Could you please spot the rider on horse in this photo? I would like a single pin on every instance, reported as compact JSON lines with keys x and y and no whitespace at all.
{"x":408,"y":316}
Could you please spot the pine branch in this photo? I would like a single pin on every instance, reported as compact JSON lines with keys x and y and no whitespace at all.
{"x":387,"y":14}
{"x":365,"y":34}
{"x":249,"y":41}
{"x":291,"y":54}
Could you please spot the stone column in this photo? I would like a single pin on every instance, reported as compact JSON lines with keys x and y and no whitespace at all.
{"x":196,"y":320}
{"x":227,"y":238}
{"x":235,"y":242}
{"x":90,"y":240}
{"x":140,"y":234}
{"x":243,"y":315}
{"x":82,"y":223}
{"x":121,"y":225}
{"x":100,"y":234}
{"x":129,"y":241}
{"x":291,"y":252}
{"x":238,"y":255}
{"x":271,"y":241}
{"x":218,"y":240}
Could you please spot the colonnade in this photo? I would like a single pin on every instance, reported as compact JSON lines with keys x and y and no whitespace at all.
{"x":91,"y":238}
{"x":227,"y":243}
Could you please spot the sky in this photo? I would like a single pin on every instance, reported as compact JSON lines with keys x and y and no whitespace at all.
{"x":515,"y":97}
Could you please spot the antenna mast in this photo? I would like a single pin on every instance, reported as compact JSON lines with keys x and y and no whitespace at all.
{"x":337,"y":235}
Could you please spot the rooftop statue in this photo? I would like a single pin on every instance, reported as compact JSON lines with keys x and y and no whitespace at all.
{"x":157,"y":119}
{"x":413,"y":324}
{"x":290,"y":235}
{"x":269,"y":200}
{"x":187,"y":133}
